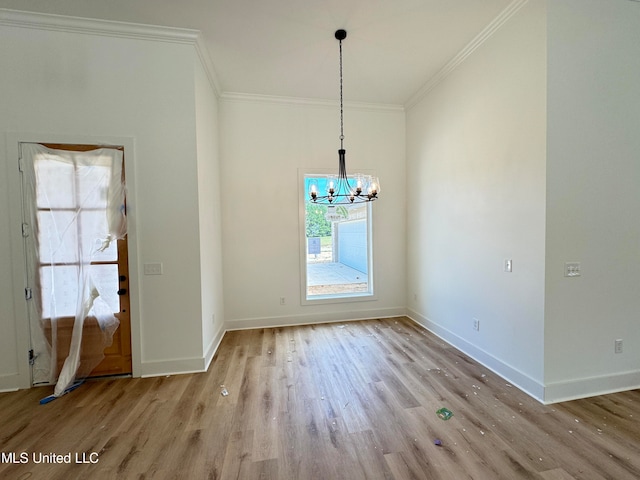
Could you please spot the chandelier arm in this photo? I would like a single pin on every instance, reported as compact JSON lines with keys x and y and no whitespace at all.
{"x":342,"y":199}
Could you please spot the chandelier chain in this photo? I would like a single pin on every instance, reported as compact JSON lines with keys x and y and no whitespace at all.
{"x":341,"y":108}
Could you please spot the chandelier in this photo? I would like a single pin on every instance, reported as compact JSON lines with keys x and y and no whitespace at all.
{"x":339,"y":189}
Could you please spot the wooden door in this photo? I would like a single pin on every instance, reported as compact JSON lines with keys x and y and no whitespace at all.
{"x":117,"y":356}
{"x":111,"y":270}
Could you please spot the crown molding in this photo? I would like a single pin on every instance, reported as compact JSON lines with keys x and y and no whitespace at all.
{"x":471,"y":47}
{"x":109,"y":28}
{"x":207,"y":63}
{"x":90,"y":26}
{"x":314,"y":102}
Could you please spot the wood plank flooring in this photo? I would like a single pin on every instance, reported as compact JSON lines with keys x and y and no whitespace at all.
{"x":352,"y":401}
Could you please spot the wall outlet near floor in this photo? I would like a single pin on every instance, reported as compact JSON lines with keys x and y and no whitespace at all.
{"x":617,"y":345}
{"x":283,"y":301}
{"x":476,"y":324}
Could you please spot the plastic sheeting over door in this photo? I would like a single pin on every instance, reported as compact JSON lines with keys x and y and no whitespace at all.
{"x":74,"y":203}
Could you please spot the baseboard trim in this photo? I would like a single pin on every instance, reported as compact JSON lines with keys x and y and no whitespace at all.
{"x":546,"y":394}
{"x":12,"y":382}
{"x":178,"y":366}
{"x":590,"y":387}
{"x":183,"y":366}
{"x":309,"y":319}
{"x":512,"y":375}
{"x":213,"y":346}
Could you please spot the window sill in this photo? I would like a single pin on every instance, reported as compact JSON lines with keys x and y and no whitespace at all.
{"x":339,"y":298}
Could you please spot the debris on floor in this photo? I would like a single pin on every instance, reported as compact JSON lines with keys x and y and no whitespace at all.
{"x":444,"y":413}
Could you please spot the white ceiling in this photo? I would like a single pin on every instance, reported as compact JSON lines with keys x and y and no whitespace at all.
{"x":287,"y":47}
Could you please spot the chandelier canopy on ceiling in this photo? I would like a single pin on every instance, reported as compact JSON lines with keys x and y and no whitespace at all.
{"x":340,"y":189}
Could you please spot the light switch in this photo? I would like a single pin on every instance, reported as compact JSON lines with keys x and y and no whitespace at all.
{"x":153,"y":268}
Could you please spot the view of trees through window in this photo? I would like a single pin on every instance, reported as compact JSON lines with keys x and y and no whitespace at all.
{"x":337,"y":249}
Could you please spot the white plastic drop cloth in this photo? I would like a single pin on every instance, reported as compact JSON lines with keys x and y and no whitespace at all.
{"x":74,"y":204}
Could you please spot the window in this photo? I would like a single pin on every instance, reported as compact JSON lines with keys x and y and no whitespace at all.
{"x":337,"y":263}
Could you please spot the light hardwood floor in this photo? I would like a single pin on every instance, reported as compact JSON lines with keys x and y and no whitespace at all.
{"x":352,"y":400}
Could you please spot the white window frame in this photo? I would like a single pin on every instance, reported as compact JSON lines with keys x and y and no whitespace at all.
{"x":303,"y":195}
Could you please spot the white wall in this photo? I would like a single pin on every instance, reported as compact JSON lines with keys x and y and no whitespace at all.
{"x":476,"y":189}
{"x":593,"y":197}
{"x":13,"y":371}
{"x":76,"y":87}
{"x":264,"y":143}
{"x":210,"y":210}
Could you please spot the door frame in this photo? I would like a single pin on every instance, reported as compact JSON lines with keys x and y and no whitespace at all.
{"x":12,"y":141}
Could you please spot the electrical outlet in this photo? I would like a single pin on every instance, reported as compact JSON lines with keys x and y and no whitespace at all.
{"x":508,"y":265}
{"x":572,"y":269}
{"x":476,"y":324}
{"x":283,"y":301}
{"x":618,"y":346}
